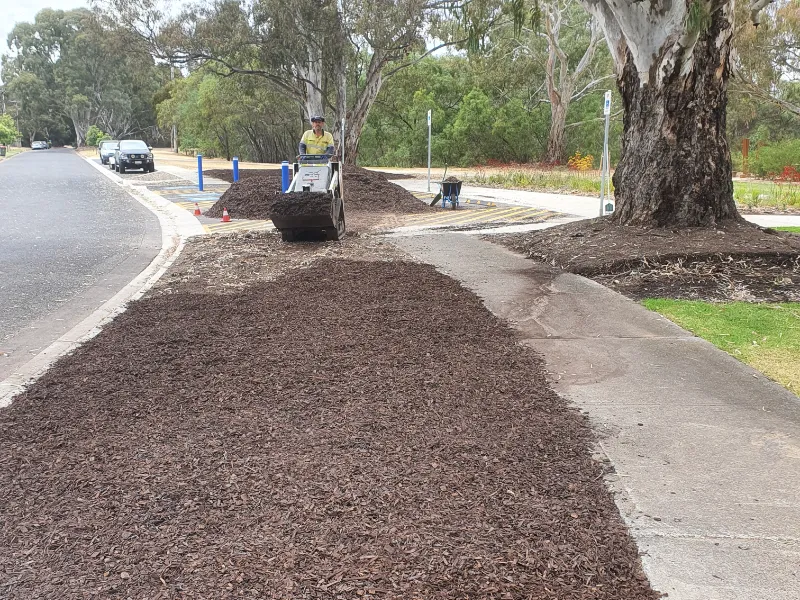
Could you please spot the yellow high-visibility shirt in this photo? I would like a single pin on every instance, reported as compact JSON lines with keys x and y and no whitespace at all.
{"x":317,"y":145}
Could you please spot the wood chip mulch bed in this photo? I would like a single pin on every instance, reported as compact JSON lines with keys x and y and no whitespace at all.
{"x":310,"y":437}
{"x":737,"y":261}
{"x":364,"y":191}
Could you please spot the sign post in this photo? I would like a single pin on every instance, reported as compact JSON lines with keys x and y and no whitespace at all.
{"x":429,"y":151}
{"x":605,"y":171}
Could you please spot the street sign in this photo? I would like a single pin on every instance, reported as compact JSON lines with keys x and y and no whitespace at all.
{"x":429,"y":117}
{"x":605,"y":169}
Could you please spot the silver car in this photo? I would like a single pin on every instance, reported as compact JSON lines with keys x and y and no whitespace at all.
{"x":106,"y":150}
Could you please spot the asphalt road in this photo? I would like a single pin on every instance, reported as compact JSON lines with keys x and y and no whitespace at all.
{"x":69,"y":240}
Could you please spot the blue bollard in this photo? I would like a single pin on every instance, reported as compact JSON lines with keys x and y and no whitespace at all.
{"x":200,"y":172}
{"x":235,"y":168}
{"x":285,"y":181}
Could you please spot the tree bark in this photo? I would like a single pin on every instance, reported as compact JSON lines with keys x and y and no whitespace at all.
{"x":675,"y":167}
{"x":555,"y":139}
{"x":366,"y":98}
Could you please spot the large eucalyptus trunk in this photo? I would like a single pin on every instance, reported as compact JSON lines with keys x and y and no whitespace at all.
{"x":675,"y":167}
{"x":556,"y":140}
{"x":357,"y":118}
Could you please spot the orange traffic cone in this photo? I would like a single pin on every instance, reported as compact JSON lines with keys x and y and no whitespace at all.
{"x":197,"y":212}
{"x":226,"y":218}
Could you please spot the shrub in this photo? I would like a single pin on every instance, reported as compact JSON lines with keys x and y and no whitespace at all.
{"x":770,"y":161}
{"x":576,"y":162}
{"x":8,"y":131}
{"x":95,"y":135}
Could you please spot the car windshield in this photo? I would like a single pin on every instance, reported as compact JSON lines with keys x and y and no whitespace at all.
{"x":105,"y":145}
{"x":134,"y":145}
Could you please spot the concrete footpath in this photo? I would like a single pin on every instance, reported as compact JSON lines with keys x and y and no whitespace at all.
{"x":705,"y":450}
{"x":578,"y":206}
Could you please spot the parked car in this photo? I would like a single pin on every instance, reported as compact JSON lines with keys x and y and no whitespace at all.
{"x":133,"y":154}
{"x":106,"y":150}
{"x":38,"y":145}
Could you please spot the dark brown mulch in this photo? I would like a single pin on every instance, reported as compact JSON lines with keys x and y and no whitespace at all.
{"x":227,"y":174}
{"x":737,"y":261}
{"x":312,"y":437}
{"x":717,"y":278}
{"x":363,"y":190}
{"x":248,"y":199}
{"x":301,"y":203}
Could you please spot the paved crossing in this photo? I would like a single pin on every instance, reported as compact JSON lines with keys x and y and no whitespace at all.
{"x":470,"y":213}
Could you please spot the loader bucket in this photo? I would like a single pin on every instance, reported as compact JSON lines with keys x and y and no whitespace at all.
{"x":306,"y":216}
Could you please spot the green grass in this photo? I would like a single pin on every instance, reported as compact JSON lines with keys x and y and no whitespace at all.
{"x":12,"y":151}
{"x":551,"y":180}
{"x":788,"y":228}
{"x":748,"y":195}
{"x":754,"y":194}
{"x":765,"y":336}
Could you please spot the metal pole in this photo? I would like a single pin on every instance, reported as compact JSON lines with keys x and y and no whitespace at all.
{"x":285,"y":180}
{"x":604,"y":162}
{"x":174,"y":140}
{"x":429,"y":151}
{"x":343,"y":138}
{"x":200,"y":172}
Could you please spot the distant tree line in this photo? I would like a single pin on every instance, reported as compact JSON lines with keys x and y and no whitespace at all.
{"x":242,"y":79}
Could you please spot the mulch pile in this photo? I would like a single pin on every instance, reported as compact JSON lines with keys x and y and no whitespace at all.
{"x":312,"y":437}
{"x":301,"y":203}
{"x":737,"y":261}
{"x":363,"y":190}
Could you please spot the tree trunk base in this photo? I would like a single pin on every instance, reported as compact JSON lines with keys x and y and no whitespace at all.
{"x":675,"y":169}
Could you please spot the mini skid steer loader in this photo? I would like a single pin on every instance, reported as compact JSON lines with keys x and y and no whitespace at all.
{"x":312,"y":207}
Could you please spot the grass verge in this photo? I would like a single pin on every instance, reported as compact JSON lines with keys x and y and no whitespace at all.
{"x":764,"y":336}
{"x":766,"y":194}
{"x":790,"y":229}
{"x":748,"y":195}
{"x":12,"y":152}
{"x":548,"y":180}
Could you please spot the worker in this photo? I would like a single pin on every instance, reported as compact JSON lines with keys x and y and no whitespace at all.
{"x":316,"y":140}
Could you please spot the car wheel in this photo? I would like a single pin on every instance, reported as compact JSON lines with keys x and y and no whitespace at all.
{"x":122,"y":169}
{"x":151,"y":169}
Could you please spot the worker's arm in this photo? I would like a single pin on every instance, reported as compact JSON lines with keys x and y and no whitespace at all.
{"x":329,"y":150}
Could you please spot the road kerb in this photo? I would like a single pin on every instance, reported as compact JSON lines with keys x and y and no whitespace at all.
{"x":175,"y":230}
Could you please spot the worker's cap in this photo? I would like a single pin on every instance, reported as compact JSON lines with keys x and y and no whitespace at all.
{"x":317,"y":119}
